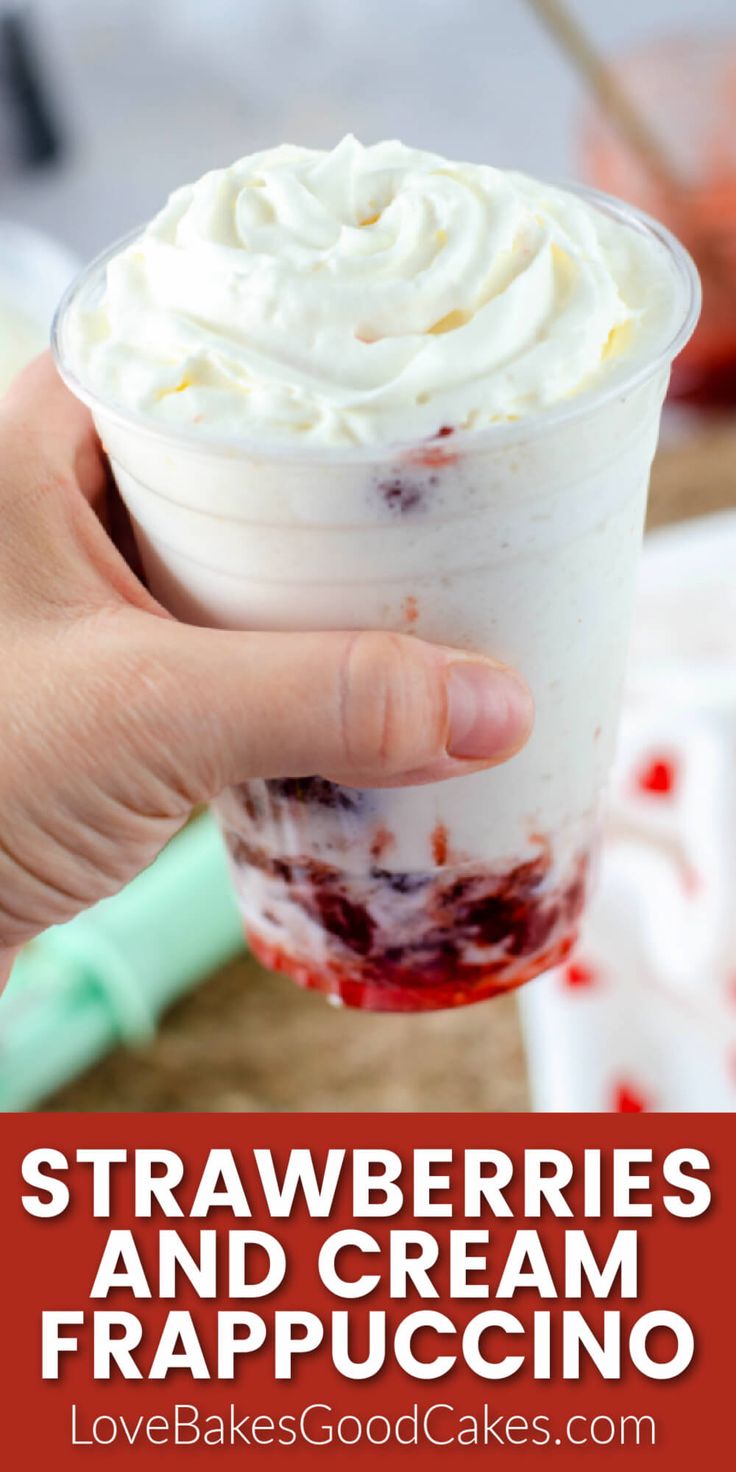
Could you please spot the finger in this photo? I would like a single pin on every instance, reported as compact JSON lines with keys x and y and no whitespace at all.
{"x":39,"y":414}
{"x":370,"y":709}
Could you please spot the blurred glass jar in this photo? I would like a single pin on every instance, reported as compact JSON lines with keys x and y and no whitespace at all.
{"x":685,"y":87}
{"x":34,"y":271}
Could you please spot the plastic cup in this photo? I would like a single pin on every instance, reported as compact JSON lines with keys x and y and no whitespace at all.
{"x":520,"y":541}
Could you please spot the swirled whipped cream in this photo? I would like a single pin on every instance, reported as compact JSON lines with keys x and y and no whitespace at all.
{"x":368,"y":295}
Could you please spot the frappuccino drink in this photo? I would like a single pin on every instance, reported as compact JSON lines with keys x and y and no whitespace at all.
{"x":371,"y":388}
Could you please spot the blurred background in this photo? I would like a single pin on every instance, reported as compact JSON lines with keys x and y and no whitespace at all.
{"x":105,"y":106}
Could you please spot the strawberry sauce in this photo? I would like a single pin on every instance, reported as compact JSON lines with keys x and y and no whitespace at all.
{"x":405,"y":941}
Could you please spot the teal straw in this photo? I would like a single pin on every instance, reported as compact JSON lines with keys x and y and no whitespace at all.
{"x":107,"y":976}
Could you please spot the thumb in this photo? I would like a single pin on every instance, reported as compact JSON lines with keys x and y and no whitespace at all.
{"x":366,"y":709}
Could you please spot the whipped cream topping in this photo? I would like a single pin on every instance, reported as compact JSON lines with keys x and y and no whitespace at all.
{"x":368,"y":295}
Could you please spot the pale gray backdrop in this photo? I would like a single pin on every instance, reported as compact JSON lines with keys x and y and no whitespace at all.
{"x":155,"y":91}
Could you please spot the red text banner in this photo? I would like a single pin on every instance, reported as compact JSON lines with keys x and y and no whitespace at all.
{"x":297,"y":1290}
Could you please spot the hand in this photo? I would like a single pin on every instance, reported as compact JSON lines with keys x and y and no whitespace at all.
{"x":116,"y":719}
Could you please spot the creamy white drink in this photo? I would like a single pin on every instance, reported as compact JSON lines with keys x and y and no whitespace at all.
{"x":375,"y":388}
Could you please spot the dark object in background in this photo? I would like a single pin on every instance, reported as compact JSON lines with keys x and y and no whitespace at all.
{"x":29,"y":130}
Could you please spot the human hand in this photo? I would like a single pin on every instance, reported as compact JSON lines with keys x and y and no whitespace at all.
{"x":117,"y":720}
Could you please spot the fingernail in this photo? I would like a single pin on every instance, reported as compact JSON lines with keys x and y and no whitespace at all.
{"x":490,"y":711}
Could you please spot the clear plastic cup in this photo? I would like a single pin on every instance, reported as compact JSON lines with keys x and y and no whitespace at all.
{"x":520,"y":541}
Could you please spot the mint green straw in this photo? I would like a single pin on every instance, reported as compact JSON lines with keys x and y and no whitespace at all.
{"x":107,"y":976}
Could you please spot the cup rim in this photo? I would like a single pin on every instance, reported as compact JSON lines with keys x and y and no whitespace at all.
{"x":463,"y":441}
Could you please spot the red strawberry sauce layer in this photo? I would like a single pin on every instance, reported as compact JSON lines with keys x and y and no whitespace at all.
{"x":412,"y":992}
{"x":407,"y":942}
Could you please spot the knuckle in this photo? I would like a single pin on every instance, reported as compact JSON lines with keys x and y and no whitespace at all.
{"x":145,"y":698}
{"x":128,"y":680}
{"x":165,"y":723}
{"x":129,"y":702}
{"x":389,"y":710}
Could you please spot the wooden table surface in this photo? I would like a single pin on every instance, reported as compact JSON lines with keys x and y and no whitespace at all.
{"x":246,"y":1040}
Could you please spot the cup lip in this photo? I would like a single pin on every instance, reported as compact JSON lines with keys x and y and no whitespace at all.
{"x":463,"y":441}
